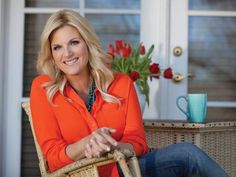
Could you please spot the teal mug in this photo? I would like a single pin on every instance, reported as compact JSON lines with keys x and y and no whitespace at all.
{"x":196,"y":107}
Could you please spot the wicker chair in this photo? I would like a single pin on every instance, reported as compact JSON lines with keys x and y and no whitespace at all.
{"x":87,"y":167}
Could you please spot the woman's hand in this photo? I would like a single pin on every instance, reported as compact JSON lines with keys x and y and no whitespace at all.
{"x":100,"y":142}
{"x":95,"y":145}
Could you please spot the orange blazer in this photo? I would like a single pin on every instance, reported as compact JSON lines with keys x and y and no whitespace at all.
{"x":57,"y":126}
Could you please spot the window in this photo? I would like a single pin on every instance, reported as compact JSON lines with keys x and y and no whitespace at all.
{"x":212,"y":51}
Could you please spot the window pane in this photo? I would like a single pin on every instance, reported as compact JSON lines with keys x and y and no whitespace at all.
{"x":121,"y":4}
{"x":112,"y":27}
{"x":52,"y":3}
{"x":212,"y":57}
{"x":225,"y":5}
{"x":33,"y":28}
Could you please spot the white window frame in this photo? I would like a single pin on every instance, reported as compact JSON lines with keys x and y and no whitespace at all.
{"x":178,"y":24}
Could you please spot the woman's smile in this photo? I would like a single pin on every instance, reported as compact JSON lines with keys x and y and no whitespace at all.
{"x":71,"y":61}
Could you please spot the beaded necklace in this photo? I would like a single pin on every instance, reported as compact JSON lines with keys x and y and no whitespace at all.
{"x":91,"y":96}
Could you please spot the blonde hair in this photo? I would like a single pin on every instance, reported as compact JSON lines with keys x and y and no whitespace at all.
{"x":99,"y":72}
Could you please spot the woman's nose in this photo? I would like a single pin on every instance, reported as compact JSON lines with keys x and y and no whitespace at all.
{"x":67,"y":52}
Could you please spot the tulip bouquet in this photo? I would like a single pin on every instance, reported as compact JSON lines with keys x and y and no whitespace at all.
{"x":136,"y":62}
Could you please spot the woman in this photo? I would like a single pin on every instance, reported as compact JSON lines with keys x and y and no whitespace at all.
{"x":80,"y":109}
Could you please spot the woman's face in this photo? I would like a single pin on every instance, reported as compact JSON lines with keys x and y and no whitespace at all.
{"x":69,"y":51}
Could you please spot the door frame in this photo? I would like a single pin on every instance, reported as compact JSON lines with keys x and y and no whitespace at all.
{"x":179,"y":64}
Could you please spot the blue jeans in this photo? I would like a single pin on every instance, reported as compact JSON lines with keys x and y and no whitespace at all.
{"x":179,"y":160}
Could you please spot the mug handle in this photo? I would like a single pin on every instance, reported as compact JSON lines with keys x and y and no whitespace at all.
{"x":177,"y":103}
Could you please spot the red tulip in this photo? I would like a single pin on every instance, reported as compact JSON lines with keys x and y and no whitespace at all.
{"x":125,"y":52}
{"x":119,"y":44}
{"x":122,"y":52}
{"x":111,"y":49}
{"x":168,"y":74}
{"x":134,"y":75}
{"x":128,"y":48}
{"x":154,"y":68}
{"x":142,"y":50}
{"x":119,"y":51}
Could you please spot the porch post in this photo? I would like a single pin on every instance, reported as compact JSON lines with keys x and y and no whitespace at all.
{"x":12,"y":88}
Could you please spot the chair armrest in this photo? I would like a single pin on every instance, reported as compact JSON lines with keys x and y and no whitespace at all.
{"x":110,"y":157}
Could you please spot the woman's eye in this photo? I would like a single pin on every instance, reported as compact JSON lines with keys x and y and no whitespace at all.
{"x":74,"y":42}
{"x":56,"y":48}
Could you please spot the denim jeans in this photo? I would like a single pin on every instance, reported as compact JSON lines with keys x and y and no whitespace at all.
{"x":179,"y":160}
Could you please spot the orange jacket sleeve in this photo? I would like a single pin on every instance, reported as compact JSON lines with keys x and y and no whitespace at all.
{"x":46,"y":128}
{"x":134,"y":131}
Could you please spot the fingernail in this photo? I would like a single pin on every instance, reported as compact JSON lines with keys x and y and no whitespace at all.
{"x":108,"y":149}
{"x":115,"y":143}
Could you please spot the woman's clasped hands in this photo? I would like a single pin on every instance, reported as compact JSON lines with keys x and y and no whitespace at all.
{"x":100,"y":142}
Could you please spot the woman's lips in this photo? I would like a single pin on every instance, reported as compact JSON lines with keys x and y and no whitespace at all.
{"x":71,"y":62}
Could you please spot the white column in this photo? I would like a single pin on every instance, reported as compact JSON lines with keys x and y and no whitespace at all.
{"x":13,"y":88}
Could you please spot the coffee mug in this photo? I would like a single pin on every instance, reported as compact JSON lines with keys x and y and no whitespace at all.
{"x":196,"y":107}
